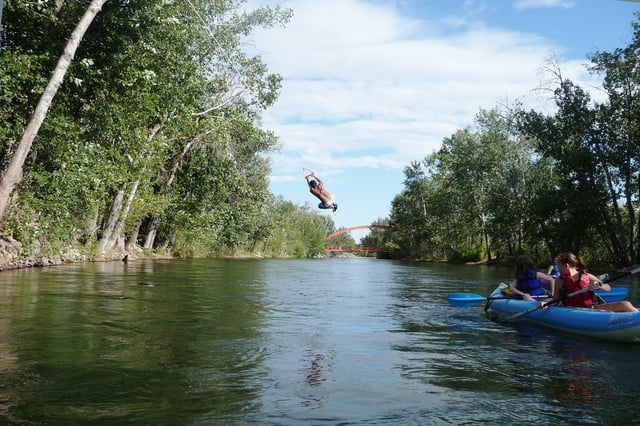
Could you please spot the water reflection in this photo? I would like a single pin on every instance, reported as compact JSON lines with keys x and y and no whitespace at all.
{"x":576,"y":381}
{"x":94,"y":335}
{"x":288,"y":342}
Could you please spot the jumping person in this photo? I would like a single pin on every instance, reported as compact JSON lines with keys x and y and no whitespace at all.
{"x":316,"y":187}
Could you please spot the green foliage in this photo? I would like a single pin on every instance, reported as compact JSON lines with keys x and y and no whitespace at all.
{"x":156,"y":133}
{"x":488,"y":192}
{"x":344,"y":239}
{"x":467,"y":256}
{"x":161,"y":105}
{"x":296,"y":231}
{"x":526,"y":182}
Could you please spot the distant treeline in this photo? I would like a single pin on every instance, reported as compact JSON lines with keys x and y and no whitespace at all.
{"x":523,"y":181}
{"x":153,"y":143}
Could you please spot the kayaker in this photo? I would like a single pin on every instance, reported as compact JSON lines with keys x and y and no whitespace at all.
{"x":553,"y":270}
{"x":574,"y":277}
{"x":528,"y":281}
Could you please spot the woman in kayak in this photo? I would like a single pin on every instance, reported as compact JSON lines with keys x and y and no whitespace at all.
{"x":574,"y":277}
{"x":528,"y":281}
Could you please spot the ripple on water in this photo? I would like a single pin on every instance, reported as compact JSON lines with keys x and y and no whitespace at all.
{"x":323,"y":341}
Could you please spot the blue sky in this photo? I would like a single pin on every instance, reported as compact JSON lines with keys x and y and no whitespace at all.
{"x":371,"y":85}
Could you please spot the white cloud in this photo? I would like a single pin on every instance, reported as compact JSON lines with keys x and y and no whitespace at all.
{"x":372,"y":85}
{"x":365,"y":86}
{"x":539,"y":4}
{"x":367,"y":90}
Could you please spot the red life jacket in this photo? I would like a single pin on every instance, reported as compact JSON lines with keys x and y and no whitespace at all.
{"x":582,"y":300}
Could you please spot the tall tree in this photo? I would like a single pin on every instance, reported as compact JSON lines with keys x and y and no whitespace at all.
{"x":620,"y":133}
{"x":580,"y":140}
{"x":13,"y":173}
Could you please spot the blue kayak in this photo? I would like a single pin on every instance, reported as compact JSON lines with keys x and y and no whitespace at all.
{"x":613,"y":295}
{"x":615,"y":326}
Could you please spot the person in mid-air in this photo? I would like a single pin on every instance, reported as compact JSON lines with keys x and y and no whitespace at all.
{"x":316,"y":187}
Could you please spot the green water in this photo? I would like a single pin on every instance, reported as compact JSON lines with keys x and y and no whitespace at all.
{"x":332,"y":341}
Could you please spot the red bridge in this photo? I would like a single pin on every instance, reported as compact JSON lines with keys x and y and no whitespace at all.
{"x":345,"y":230}
{"x":356,"y":248}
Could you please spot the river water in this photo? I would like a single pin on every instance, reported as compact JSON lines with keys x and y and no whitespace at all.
{"x":291,"y":342}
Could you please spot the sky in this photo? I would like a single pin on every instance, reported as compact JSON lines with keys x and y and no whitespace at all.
{"x":370,"y":86}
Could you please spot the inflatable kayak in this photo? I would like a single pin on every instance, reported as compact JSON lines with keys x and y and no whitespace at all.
{"x":615,"y":326}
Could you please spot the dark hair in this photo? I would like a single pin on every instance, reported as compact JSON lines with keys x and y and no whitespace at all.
{"x":313,"y":183}
{"x":523,"y":265}
{"x":573,"y":260}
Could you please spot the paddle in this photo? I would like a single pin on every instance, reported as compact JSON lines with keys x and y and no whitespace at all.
{"x":552,"y":302}
{"x":575,"y":293}
{"x":470,"y":299}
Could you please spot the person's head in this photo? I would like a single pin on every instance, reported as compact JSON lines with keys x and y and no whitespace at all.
{"x":523,"y":265}
{"x":571,"y":260}
{"x":313,"y":183}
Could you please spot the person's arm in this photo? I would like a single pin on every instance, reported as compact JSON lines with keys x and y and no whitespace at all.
{"x":596,"y":283}
{"x":514,"y":290}
{"x":320,"y":183}
{"x":555,"y":292}
{"x":550,"y":269}
{"x":557,"y":287}
{"x":546,"y":278}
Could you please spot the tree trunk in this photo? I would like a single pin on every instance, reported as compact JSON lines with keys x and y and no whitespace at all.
{"x":0,"y":22}
{"x":149,"y":241}
{"x":92,"y":226}
{"x":13,"y":175}
{"x":122,"y":217}
{"x":130,"y":245}
{"x":116,"y":207}
{"x":486,"y":241}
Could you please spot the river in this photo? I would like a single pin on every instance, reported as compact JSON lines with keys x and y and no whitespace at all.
{"x":291,"y":342}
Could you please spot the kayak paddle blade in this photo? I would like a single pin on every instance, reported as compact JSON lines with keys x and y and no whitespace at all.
{"x":464,"y":299}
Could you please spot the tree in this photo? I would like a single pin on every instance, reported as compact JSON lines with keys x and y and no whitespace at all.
{"x":162,"y":103}
{"x":474,"y":197}
{"x":576,"y":140}
{"x":620,"y":134}
{"x":13,"y":174}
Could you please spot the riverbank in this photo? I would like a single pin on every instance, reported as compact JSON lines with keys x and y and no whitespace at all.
{"x":14,"y":256}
